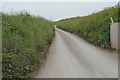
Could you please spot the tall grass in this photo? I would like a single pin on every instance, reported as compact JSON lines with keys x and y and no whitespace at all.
{"x":93,"y":28}
{"x":25,"y":41}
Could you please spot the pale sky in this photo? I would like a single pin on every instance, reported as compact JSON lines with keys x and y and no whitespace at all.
{"x":59,"y":0}
{"x":56,"y":10}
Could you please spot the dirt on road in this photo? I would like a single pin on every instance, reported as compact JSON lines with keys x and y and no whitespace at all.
{"x":72,"y":57}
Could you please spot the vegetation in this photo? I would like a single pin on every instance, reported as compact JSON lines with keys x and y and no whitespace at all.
{"x":26,"y":38}
{"x":25,"y":41}
{"x":93,"y":28}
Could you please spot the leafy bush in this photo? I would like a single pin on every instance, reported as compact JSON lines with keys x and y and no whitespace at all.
{"x":25,"y":41}
{"x":93,"y":28}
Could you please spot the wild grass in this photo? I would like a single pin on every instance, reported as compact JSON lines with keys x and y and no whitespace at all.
{"x":25,"y":42}
{"x":94,"y":28}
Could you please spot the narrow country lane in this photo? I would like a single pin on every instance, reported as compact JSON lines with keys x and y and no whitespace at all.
{"x":72,"y":57}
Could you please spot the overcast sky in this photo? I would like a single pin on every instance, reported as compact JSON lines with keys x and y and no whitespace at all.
{"x":57,"y":10}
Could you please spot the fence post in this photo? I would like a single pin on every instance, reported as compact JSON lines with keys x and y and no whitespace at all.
{"x":115,"y":35}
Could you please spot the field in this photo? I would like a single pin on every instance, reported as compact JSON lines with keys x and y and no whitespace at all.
{"x":26,"y":40}
{"x":93,"y":28}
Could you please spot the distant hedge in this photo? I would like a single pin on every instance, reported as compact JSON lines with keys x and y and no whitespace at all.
{"x":25,"y":41}
{"x":93,"y":28}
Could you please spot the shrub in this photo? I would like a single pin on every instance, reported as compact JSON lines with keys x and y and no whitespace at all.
{"x":93,"y":28}
{"x":25,"y":41}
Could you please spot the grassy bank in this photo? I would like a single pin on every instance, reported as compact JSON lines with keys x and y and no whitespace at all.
{"x":93,"y":28}
{"x":25,"y":41}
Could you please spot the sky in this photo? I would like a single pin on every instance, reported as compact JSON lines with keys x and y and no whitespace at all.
{"x":56,"y":10}
{"x":59,"y":0}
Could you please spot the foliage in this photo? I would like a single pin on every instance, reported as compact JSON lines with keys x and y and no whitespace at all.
{"x":93,"y":28}
{"x":25,"y":41}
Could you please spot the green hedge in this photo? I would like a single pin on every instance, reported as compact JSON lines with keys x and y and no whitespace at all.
{"x":93,"y":28}
{"x":25,"y":41}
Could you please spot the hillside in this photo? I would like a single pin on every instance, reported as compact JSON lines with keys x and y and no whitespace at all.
{"x":25,"y":39}
{"x":93,"y":28}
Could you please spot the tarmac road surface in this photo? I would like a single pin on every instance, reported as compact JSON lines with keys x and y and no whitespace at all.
{"x":71,"y":57}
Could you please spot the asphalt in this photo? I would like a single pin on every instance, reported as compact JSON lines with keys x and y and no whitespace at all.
{"x":71,"y":57}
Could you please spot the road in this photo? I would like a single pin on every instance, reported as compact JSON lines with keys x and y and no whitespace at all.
{"x":71,"y":57}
